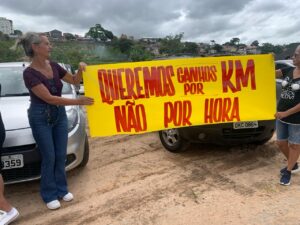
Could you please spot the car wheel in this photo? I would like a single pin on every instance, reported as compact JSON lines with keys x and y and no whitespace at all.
{"x":86,"y":153}
{"x":172,"y":141}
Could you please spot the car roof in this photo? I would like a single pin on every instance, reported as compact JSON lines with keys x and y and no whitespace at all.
{"x":14,"y":64}
{"x":25,"y":64}
{"x":285,"y":61}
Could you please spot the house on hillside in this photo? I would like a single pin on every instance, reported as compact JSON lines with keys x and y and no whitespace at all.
{"x":151,"y":44}
{"x":56,"y":34}
{"x":253,"y":49}
{"x":231,"y":49}
{"x":203,"y":48}
{"x":150,"y":40}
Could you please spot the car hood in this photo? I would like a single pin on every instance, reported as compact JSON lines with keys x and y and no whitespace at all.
{"x":15,"y":119}
{"x":14,"y":112}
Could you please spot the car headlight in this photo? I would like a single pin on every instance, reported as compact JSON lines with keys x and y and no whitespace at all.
{"x":72,"y":115}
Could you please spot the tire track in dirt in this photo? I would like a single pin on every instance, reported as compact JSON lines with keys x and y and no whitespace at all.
{"x":132,"y":180}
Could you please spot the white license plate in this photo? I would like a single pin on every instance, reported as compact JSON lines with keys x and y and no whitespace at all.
{"x":12,"y":161}
{"x":245,"y":125}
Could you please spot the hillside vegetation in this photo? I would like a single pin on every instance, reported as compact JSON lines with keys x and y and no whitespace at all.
{"x":122,"y":50}
{"x":70,"y":52}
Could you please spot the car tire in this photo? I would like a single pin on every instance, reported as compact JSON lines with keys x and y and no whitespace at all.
{"x":172,"y":141}
{"x":86,"y":153}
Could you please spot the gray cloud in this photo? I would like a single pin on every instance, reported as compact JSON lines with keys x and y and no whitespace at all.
{"x":273,"y":21}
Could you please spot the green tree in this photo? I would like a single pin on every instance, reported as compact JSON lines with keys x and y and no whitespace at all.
{"x":235,"y":41}
{"x":109,"y":34}
{"x":4,"y":37}
{"x":255,"y":43}
{"x":123,"y":45}
{"x":18,"y":32}
{"x":278,"y":49}
{"x":8,"y":55}
{"x":99,"y":33}
{"x":190,"y":48}
{"x":218,"y":48}
{"x":267,"y":48}
{"x":69,"y":36}
{"x":138,"y":53}
{"x":171,"y":45}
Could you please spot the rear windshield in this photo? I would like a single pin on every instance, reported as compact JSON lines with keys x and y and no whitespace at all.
{"x":12,"y":83}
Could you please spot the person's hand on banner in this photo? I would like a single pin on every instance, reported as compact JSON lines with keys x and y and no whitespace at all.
{"x":83,"y":100}
{"x":81,"y":66}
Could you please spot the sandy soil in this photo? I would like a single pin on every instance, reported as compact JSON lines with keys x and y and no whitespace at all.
{"x":132,"y":180}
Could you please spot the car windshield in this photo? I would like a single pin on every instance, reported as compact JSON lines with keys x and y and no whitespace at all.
{"x":12,"y":83}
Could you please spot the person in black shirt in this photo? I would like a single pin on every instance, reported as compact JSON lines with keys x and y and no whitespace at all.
{"x":288,"y":117}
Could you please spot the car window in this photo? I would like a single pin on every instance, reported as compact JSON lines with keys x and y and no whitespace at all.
{"x":12,"y":83}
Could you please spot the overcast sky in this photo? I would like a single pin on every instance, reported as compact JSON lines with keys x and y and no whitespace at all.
{"x":274,"y":21}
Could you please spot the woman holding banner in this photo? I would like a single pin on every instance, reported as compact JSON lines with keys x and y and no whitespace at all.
{"x":47,"y":115}
{"x":288,"y":117}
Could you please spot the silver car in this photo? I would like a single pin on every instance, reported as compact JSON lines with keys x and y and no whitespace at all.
{"x":20,"y":156}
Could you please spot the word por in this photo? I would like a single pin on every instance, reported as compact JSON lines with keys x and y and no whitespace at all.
{"x":177,"y":113}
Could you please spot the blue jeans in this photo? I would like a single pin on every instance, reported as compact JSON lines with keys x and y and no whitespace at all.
{"x":288,"y":132}
{"x":49,"y":126}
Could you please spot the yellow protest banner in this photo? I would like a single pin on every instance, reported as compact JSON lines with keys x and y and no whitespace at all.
{"x":162,"y":94}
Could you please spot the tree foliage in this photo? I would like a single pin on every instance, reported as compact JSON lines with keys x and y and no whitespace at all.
{"x":123,"y":44}
{"x":268,"y":48}
{"x":69,"y":36}
{"x":171,"y":45}
{"x":218,"y":48}
{"x":4,"y":37}
{"x":98,"y":33}
{"x":255,"y":43}
{"x":234,"y":41}
{"x":8,"y":55}
{"x":138,"y":53}
{"x":190,"y":48}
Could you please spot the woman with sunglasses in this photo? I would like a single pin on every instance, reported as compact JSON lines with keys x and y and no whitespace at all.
{"x":288,"y":118}
{"x":47,"y":114}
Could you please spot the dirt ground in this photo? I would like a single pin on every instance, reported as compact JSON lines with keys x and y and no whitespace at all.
{"x":132,"y":180}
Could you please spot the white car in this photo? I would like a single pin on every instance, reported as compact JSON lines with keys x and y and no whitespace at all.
{"x":20,"y":156}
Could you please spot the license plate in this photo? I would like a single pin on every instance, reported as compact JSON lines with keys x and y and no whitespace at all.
{"x":12,"y":161}
{"x":245,"y":125}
